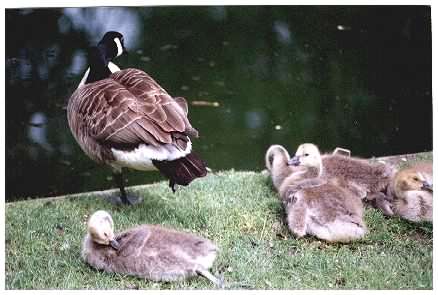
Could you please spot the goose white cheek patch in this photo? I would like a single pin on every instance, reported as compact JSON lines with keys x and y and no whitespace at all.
{"x":113,"y":67}
{"x":119,"y":46}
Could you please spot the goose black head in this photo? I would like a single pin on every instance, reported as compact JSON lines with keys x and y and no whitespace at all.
{"x":112,"y":44}
{"x":100,"y":57}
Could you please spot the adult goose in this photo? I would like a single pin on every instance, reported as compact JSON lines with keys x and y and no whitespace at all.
{"x":123,"y":118}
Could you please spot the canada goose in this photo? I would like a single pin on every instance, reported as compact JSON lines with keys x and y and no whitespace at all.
{"x":314,"y":205}
{"x":412,"y":193}
{"x":123,"y":118}
{"x":366,"y":180}
{"x":147,"y":251}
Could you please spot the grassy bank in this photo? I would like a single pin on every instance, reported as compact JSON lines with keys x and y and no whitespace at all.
{"x":241,"y":213}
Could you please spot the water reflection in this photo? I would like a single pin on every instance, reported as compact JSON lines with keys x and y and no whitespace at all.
{"x":283,"y":33}
{"x":337,"y":76}
{"x":37,"y":131}
{"x":98,"y":20}
{"x":79,"y":63}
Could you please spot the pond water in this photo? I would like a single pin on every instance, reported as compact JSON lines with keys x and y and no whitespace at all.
{"x":356,"y":77}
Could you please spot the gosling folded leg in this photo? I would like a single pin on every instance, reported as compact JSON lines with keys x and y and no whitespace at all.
{"x":382,"y":202}
{"x":208,"y":275}
{"x":296,"y":215}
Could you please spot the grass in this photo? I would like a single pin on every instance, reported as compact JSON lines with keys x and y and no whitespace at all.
{"x":237,"y":210}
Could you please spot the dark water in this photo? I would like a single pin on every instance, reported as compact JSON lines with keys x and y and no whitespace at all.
{"x":356,"y":77}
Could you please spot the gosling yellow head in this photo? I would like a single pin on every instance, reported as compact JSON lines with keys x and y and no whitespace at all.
{"x":411,"y":180}
{"x":101,"y":229}
{"x":307,"y":155}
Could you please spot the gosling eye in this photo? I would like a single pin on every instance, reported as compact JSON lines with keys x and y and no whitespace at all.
{"x":106,"y":235}
{"x":416,"y":178}
{"x":306,"y":155}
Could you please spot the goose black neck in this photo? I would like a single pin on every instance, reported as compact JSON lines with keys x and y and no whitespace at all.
{"x":98,"y":61}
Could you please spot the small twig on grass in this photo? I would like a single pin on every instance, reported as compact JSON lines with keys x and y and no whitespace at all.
{"x":263,"y":229}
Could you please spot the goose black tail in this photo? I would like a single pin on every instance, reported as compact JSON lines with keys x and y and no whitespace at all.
{"x":183,"y":170}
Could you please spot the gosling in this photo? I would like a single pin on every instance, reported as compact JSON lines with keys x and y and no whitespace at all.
{"x":313,"y":205}
{"x":147,"y":251}
{"x":283,"y":175}
{"x":368,"y":181}
{"x":412,"y":191}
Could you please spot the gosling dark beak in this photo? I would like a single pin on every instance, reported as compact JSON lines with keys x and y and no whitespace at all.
{"x":114,"y":244}
{"x":295,"y":161}
{"x":427,"y":186}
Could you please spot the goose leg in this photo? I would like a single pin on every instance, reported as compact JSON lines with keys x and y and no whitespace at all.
{"x":120,"y":182}
{"x":125,"y":198}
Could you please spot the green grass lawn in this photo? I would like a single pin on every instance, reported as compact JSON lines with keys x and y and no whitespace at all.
{"x":237,"y":210}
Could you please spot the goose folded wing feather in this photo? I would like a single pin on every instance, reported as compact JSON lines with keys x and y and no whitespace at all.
{"x":132,"y":111}
{"x":182,"y":102}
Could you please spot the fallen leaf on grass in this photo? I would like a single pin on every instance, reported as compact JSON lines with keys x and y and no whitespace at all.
{"x":205,"y":103}
{"x":60,"y":229}
{"x":340,"y":282}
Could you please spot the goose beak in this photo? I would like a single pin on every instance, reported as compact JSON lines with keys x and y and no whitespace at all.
{"x":114,"y":244}
{"x":295,"y":161}
{"x":427,"y":186}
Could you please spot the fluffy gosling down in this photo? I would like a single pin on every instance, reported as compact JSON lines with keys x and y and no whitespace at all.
{"x":314,"y":205}
{"x":412,"y":193}
{"x":147,"y":251}
{"x":368,"y":181}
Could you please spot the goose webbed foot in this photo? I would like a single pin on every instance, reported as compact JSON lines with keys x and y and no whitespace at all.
{"x":128,"y":199}
{"x":125,"y":198}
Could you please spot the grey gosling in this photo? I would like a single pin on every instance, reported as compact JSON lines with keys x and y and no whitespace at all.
{"x":276,"y":160}
{"x":315,"y":206}
{"x":412,"y":193}
{"x":147,"y":251}
{"x":368,"y":181}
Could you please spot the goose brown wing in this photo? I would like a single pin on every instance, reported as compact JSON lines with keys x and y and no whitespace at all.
{"x":130,"y":108}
